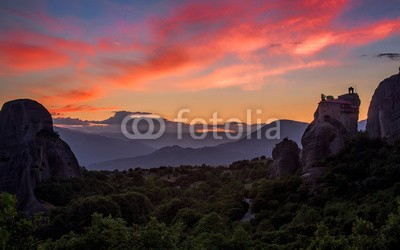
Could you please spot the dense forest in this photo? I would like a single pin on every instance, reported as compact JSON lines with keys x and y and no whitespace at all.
{"x":355,"y":206}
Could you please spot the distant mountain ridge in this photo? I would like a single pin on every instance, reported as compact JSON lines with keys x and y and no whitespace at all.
{"x":111,"y":127}
{"x":98,"y":146}
{"x":172,"y":156}
{"x":91,"y":148}
{"x":218,"y":155}
{"x":257,"y":147}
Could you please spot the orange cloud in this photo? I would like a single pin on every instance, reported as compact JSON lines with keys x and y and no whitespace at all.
{"x":163,"y":63}
{"x":25,"y":57}
{"x":249,"y":77}
{"x":210,"y":32}
{"x":50,"y":94}
{"x":356,"y":36}
{"x":315,"y":44}
{"x":26,"y":51}
{"x":77,"y":108}
{"x":81,"y":94}
{"x":193,"y":46}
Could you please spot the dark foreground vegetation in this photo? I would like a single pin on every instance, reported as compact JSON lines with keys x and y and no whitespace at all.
{"x":355,"y":206}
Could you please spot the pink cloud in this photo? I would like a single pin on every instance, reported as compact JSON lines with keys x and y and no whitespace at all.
{"x":199,"y":45}
{"x":26,"y":51}
{"x":50,"y":92}
{"x":81,"y":94}
{"x":249,"y":77}
{"x":60,"y":111}
{"x":362,"y":35}
{"x":26,"y":57}
{"x":209,"y":33}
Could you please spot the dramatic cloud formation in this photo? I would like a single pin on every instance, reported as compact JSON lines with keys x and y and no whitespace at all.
{"x":72,"y":108}
{"x":74,"y":57}
{"x":70,"y":121}
{"x":393,"y":56}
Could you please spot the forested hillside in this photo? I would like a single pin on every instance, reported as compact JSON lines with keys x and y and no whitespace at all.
{"x":355,"y":205}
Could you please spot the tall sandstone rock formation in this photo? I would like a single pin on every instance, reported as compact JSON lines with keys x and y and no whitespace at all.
{"x":286,"y":156}
{"x":31,"y":152}
{"x":384,"y":110}
{"x":335,"y":122}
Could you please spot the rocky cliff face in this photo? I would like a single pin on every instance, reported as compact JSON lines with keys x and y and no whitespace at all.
{"x":321,"y":139}
{"x":286,"y":156}
{"x":30,"y":152}
{"x":384,"y":110}
{"x":325,"y":137}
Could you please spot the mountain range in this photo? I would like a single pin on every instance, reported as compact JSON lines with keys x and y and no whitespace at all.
{"x":101,"y":145}
{"x":90,"y":148}
{"x":221,"y":154}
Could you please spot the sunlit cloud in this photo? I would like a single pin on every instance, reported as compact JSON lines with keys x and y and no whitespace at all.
{"x":191,"y":46}
{"x":76,"y":108}
{"x":26,"y":57}
{"x":25,"y":51}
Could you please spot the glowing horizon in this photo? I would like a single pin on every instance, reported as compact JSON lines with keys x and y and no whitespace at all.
{"x":86,"y":60}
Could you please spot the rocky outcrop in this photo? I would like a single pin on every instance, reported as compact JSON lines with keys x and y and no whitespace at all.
{"x":31,"y":152}
{"x":384,"y":111}
{"x":321,"y":139}
{"x":286,"y":156}
{"x":327,"y":135}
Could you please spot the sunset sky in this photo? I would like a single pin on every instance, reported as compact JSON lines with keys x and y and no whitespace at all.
{"x":86,"y":59}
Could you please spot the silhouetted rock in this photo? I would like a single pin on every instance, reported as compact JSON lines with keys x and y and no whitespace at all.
{"x":335,"y":122}
{"x":321,"y":139}
{"x":31,"y":152}
{"x":286,"y":156}
{"x":384,"y":110}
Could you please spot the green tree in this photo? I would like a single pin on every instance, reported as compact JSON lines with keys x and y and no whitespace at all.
{"x":16,"y":231}
{"x":167,"y":212}
{"x":241,"y":239}
{"x":211,"y":232}
{"x":103,"y":233}
{"x":80,"y":211}
{"x":323,"y":240}
{"x":135,"y":207}
{"x":390,"y":232}
{"x":365,"y":236}
{"x":157,"y":235}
